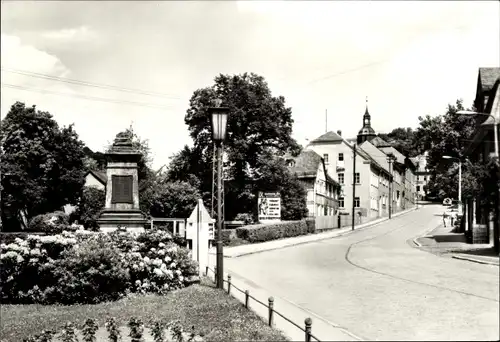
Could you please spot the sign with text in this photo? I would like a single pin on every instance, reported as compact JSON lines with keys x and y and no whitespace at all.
{"x":269,"y":206}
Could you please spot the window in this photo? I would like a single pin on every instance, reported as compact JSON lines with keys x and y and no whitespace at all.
{"x":418,"y":187}
{"x":325,"y":157}
{"x":341,"y":157}
{"x":356,"y":202}
{"x":341,"y":202}
{"x":356,"y":178}
{"x":425,"y":178}
{"x":341,"y":178}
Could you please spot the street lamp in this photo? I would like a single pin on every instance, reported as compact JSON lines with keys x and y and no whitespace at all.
{"x":218,"y":118}
{"x":459,"y":179}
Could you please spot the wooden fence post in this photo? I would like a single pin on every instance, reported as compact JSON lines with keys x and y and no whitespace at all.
{"x":228,"y":284}
{"x":308,"y":322}
{"x":271,"y":306}
{"x":247,"y":293}
{"x":206,"y":272}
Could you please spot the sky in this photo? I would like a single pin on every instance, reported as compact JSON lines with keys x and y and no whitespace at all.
{"x":409,"y":59}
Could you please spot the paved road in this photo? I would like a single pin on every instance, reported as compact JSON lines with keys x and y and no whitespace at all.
{"x":379,"y":287}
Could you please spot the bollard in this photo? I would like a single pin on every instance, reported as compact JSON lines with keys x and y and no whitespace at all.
{"x":247,"y":293}
{"x":271,"y":306}
{"x":206,"y":272}
{"x":228,"y":284}
{"x":308,"y":322}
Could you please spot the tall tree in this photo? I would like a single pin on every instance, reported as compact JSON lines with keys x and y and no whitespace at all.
{"x":402,"y":140}
{"x":446,"y":135}
{"x":42,"y":164}
{"x":259,"y":124}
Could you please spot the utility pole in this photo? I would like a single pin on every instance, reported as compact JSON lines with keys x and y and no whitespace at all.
{"x":389,"y":160}
{"x":326,"y":120}
{"x":353,"y":184}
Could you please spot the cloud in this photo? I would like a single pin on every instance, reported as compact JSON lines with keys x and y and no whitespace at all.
{"x":16,"y":55}
{"x":79,"y":34}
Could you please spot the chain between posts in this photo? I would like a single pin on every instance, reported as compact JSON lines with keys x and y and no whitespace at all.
{"x":270,"y":306}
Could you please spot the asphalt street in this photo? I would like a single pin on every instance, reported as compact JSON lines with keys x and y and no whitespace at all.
{"x":378,"y":286}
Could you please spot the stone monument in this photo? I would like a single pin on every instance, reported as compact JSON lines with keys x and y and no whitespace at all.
{"x":122,"y":188}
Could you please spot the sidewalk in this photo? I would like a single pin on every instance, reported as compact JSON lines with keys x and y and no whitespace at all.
{"x":237,"y":251}
{"x":442,"y":241}
{"x":321,"y":329}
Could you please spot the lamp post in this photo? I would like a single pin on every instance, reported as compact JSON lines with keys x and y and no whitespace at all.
{"x":353,"y":184}
{"x":390,"y":159}
{"x":219,"y":116}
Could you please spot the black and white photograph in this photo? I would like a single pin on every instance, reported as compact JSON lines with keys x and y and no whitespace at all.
{"x":255,"y":170}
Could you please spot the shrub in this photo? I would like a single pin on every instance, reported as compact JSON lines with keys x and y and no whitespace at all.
{"x":311,"y":225}
{"x":87,"y":267}
{"x":227,"y":236}
{"x":245,"y":217}
{"x":49,"y":223}
{"x":273,"y":231}
{"x":89,"y":208}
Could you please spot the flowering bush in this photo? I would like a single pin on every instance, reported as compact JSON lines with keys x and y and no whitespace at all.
{"x":87,"y":267}
{"x":50,"y":223}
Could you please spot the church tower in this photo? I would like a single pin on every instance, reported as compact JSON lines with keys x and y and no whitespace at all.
{"x":366,"y":133}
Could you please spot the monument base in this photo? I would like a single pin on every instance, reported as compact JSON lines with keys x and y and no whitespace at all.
{"x":131,"y":220}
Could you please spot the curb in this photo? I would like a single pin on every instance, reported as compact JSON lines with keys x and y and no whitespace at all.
{"x":424,"y":235}
{"x":345,"y":232}
{"x":474,"y":260}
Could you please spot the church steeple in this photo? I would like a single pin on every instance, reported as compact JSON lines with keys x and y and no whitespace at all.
{"x":366,"y":132}
{"x":366,"y":117}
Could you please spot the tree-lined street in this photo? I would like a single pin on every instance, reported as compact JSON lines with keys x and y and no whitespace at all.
{"x":376,"y":285}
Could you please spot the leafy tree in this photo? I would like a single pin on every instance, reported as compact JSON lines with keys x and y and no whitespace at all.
{"x":89,"y":207}
{"x":402,"y":140}
{"x":185,"y":166}
{"x":174,"y":199}
{"x":448,"y":135}
{"x":259,"y":124}
{"x":42,"y":164}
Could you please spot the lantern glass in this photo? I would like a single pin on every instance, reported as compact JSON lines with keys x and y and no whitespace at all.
{"x":219,"y":123}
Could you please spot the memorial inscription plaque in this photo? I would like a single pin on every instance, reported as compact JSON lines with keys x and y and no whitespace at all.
{"x":122,"y":189}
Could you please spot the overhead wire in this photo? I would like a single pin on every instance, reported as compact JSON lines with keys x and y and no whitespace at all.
{"x":91,"y":98}
{"x":88,"y":84}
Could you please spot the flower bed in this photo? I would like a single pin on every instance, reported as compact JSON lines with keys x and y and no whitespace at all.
{"x":87,"y":267}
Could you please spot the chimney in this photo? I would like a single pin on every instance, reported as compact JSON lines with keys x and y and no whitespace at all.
{"x":339,"y":133}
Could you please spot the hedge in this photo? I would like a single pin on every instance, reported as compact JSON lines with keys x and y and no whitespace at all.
{"x":273,"y":231}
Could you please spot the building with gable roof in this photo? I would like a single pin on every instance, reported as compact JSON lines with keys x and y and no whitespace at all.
{"x":480,"y":220}
{"x":338,"y":154}
{"x":372,"y":176}
{"x":322,"y":190}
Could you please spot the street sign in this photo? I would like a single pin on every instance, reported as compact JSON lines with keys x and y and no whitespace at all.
{"x":269,"y":206}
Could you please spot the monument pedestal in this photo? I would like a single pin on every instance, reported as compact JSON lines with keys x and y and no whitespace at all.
{"x":122,"y":188}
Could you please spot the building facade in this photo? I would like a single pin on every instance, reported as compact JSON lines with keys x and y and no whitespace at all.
{"x":482,"y":221}
{"x":322,"y":190}
{"x":422,"y":174}
{"x":373,"y":176}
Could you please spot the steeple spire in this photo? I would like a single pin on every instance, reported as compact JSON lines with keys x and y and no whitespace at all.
{"x":366,"y":110}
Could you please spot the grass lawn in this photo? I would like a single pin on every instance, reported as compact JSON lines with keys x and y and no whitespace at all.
{"x":214,"y":315}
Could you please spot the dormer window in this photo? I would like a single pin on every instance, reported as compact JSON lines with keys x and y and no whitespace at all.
{"x":291,"y":163}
